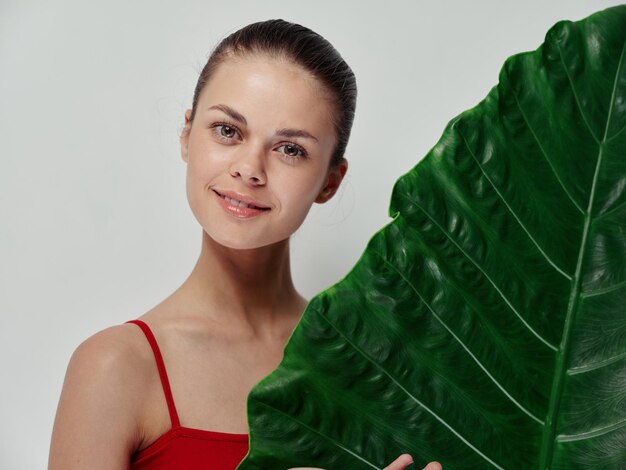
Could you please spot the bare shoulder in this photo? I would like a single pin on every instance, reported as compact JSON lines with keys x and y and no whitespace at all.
{"x":118,"y":354}
{"x":120,"y":345}
{"x":99,"y":412}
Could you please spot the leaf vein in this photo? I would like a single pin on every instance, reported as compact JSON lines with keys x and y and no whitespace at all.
{"x":616,"y":134}
{"x":512,"y":212}
{"x":575,"y":93}
{"x":504,"y":297}
{"x":612,"y":102}
{"x":409,"y":394}
{"x":610,"y":211}
{"x":545,"y":154}
{"x":304,"y":425}
{"x":593,"y":433}
{"x":596,"y":365}
{"x":460,"y":341}
{"x":604,"y":290}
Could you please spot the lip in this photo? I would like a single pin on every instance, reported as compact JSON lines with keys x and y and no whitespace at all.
{"x":236,"y":210}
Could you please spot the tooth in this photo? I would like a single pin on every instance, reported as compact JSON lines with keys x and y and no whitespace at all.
{"x":235,"y":202}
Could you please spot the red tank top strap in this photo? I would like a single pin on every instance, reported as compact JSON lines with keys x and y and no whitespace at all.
{"x":162,"y":373}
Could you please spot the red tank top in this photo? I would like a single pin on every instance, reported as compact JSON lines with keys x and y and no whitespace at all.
{"x":182,"y":447}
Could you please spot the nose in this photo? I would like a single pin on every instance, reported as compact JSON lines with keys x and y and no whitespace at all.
{"x":249,"y":165}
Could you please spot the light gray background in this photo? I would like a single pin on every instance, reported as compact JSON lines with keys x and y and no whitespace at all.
{"x":95,"y":226}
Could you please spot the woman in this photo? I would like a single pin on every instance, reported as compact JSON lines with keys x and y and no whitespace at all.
{"x":264,"y":140}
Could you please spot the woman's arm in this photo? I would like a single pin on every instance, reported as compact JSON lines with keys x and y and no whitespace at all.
{"x":97,"y":425}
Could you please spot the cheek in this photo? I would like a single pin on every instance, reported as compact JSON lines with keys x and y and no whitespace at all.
{"x":205,"y":161}
{"x":301,"y":192}
{"x":193,"y":187}
{"x":195,"y":181}
{"x":200,"y":172}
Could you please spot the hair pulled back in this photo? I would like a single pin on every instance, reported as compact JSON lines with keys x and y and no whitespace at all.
{"x":282,"y":39}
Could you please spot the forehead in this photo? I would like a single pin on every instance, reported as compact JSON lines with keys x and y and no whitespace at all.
{"x":270,"y":88}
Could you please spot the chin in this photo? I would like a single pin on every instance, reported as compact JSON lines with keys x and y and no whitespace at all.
{"x":238,"y":243}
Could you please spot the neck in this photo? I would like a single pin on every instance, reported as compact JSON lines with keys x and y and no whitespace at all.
{"x":246,"y":288}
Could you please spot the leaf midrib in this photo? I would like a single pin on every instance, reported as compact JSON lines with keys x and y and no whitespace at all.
{"x":548,"y":438}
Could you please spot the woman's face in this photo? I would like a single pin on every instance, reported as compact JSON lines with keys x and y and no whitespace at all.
{"x":258,"y":151}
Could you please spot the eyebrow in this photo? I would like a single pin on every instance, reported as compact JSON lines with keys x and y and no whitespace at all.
{"x":231,"y":112}
{"x":285,"y":132}
{"x":291,"y":133}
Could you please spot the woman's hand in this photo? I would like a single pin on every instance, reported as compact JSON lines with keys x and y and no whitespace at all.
{"x":399,"y":464}
{"x":405,"y":460}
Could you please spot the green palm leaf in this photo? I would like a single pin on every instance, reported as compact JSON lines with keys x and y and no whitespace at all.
{"x":485,"y":326}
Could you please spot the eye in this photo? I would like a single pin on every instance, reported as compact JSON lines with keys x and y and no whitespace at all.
{"x":224,"y":130}
{"x":293,"y":151}
{"x":227,"y":131}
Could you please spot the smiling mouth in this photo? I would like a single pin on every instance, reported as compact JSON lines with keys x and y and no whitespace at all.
{"x":236,"y":202}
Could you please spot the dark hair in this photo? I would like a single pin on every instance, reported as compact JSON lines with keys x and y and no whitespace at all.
{"x":282,"y":39}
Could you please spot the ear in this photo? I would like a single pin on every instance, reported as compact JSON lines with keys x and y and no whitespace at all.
{"x":333,"y":180}
{"x":184,"y":136}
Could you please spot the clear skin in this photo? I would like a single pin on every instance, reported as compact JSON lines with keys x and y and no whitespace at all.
{"x":225,"y":327}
